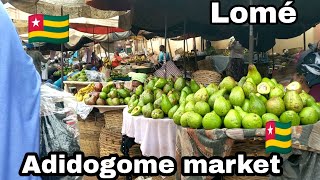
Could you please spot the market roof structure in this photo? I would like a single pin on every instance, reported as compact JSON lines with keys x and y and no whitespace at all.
{"x":150,"y":15}
{"x":75,"y":8}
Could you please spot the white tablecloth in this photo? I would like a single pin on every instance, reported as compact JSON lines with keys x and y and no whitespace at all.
{"x":157,"y":137}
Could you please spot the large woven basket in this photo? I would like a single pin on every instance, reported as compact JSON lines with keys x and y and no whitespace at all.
{"x":111,"y":137}
{"x":206,"y":64}
{"x":253,"y":147}
{"x":113,"y":119}
{"x":89,"y":135}
{"x":206,"y":77}
{"x":110,"y":143}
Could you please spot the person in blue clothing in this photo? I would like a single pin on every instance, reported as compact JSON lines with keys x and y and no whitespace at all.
{"x":163,"y":56}
{"x":19,"y":102}
{"x":76,"y":68}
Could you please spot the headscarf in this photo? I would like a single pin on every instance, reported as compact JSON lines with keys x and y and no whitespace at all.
{"x":19,"y":102}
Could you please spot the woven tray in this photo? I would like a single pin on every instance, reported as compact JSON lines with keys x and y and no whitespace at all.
{"x":206,"y":77}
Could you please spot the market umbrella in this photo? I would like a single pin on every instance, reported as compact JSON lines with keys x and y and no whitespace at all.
{"x":75,"y":8}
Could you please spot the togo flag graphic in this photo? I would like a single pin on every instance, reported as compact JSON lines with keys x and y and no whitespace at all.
{"x":50,"y":29}
{"x":278,"y":137}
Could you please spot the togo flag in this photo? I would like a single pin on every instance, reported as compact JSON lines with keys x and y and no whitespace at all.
{"x":278,"y":137}
{"x":50,"y":29}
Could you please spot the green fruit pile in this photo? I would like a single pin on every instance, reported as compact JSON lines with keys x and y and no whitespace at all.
{"x":160,"y":97}
{"x":249,"y":103}
{"x":81,"y":77}
{"x":108,"y":95}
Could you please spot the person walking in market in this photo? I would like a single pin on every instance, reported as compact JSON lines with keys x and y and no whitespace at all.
{"x":235,"y":67}
{"x":36,"y":56}
{"x":19,"y":102}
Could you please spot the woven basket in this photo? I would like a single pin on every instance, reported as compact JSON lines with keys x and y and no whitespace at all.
{"x":89,"y":135}
{"x":110,"y":143}
{"x":111,"y":137}
{"x":206,"y":64}
{"x":251,"y":148}
{"x":206,"y":77}
{"x":113,"y":119}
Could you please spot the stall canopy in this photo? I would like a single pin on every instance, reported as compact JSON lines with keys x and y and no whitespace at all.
{"x":96,"y":26}
{"x":19,"y":18}
{"x":87,"y":25}
{"x":79,"y":39}
{"x":119,"y":5}
{"x":75,"y":8}
{"x":196,"y":15}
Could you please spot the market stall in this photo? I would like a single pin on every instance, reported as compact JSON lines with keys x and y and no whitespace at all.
{"x":156,"y":137}
{"x":226,"y":142}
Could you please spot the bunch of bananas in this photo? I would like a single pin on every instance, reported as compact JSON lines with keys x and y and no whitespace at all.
{"x":107,"y":62}
{"x":83,"y":93}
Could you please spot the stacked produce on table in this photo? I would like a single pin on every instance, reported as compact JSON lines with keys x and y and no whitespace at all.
{"x":136,"y":59}
{"x":81,"y":76}
{"x":249,"y":103}
{"x":117,"y":75}
{"x":66,"y":70}
{"x":96,"y":94}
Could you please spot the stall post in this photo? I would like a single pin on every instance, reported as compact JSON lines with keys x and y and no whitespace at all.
{"x":62,"y":59}
{"x":184,"y":49}
{"x":304,"y":41}
{"x":165,"y":45}
{"x":151,"y":45}
{"x":251,"y":41}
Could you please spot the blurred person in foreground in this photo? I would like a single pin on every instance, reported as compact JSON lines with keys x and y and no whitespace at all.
{"x":19,"y":102}
{"x":36,"y":56}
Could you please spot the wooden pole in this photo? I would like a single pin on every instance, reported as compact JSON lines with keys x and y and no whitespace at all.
{"x":304,"y":41}
{"x":151,"y":45}
{"x":165,"y":45}
{"x":184,"y":49}
{"x":62,"y":59}
{"x":251,"y":42}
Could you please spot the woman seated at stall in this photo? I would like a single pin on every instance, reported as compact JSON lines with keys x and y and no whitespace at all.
{"x":116,"y":59}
